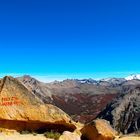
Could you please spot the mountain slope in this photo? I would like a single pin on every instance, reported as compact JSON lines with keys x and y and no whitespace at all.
{"x":124,"y":111}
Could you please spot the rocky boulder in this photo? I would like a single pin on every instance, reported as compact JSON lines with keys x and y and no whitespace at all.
{"x":98,"y":130}
{"x":22,"y":110}
{"x":70,"y":136}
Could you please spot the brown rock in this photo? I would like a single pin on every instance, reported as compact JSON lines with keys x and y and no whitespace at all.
{"x":98,"y":130}
{"x":22,"y":110}
{"x":70,"y":136}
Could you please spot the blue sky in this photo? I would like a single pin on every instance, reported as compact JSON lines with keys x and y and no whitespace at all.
{"x":70,"y":38}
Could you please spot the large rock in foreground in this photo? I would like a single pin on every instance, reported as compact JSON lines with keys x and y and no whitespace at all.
{"x":98,"y":130}
{"x":22,"y":110}
{"x":70,"y":136}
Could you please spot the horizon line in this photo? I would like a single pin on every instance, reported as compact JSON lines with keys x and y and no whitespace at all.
{"x":60,"y":77}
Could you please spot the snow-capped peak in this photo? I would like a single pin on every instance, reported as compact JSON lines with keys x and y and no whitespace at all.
{"x":133,"y":77}
{"x":88,"y":81}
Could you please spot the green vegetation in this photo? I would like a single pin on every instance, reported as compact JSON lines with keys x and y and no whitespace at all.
{"x":52,"y":134}
{"x":34,"y":133}
{"x":25,"y":132}
{"x":48,"y":134}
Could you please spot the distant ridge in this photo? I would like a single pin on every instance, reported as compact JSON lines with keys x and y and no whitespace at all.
{"x":133,"y":77}
{"x":88,"y":80}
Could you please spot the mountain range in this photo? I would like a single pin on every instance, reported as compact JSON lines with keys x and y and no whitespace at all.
{"x":114,"y":99}
{"x":83,"y":99}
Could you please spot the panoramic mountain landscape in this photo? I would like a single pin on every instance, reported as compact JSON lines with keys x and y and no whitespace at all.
{"x":79,"y":109}
{"x":69,"y":70}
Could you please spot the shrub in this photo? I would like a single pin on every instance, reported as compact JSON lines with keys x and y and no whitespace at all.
{"x":52,"y":134}
{"x":34,"y":133}
{"x":25,"y":132}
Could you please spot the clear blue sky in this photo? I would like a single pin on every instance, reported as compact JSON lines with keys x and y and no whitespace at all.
{"x":70,"y":37}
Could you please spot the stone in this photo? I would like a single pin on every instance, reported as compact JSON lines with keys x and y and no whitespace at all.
{"x":98,"y":130}
{"x":21,"y":110}
{"x":70,"y":136}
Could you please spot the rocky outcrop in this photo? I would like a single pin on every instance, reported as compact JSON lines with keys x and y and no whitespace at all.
{"x":98,"y":130}
{"x":124,"y":112}
{"x":21,"y":110}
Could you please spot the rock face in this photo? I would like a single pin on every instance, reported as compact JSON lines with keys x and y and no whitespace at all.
{"x":98,"y":130}
{"x":124,"y":112}
{"x":21,"y":110}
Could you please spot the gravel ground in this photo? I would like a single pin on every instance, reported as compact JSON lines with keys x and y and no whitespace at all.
{"x":22,"y":137}
{"x":128,"y":138}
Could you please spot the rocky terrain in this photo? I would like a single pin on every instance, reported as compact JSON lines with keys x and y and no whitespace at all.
{"x":124,"y":111}
{"x":25,"y":116}
{"x":83,"y":99}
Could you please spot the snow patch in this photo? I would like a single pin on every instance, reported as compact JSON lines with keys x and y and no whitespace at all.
{"x":133,"y":77}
